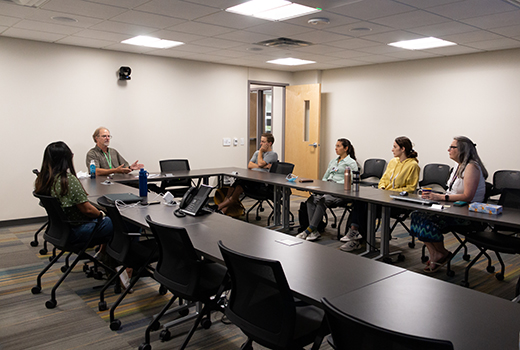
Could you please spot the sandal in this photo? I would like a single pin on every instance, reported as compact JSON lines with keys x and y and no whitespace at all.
{"x":436,"y":265}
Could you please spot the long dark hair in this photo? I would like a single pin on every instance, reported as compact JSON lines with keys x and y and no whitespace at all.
{"x":403,"y":141}
{"x":57,"y":159}
{"x":348,"y":145}
{"x":468,"y":154}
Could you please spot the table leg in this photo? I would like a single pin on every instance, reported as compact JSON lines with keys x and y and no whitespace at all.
{"x":385,"y":233}
{"x":371,"y":229}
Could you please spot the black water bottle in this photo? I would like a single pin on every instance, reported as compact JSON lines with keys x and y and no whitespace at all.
{"x":143,"y":183}
{"x":355,"y":181}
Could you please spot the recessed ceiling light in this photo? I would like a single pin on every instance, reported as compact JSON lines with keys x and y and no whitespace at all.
{"x":422,"y":44}
{"x":289,"y":61}
{"x":149,"y":41}
{"x":319,"y":21}
{"x":272,"y":10}
{"x":64,"y":19}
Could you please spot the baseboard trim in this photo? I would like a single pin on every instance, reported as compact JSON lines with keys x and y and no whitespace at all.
{"x":26,"y":221}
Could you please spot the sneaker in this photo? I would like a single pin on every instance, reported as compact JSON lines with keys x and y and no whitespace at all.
{"x":350,"y":246}
{"x":314,"y":235}
{"x":352,"y":235}
{"x":302,"y":235}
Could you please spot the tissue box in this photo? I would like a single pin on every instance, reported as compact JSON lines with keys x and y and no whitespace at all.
{"x":485,"y":208}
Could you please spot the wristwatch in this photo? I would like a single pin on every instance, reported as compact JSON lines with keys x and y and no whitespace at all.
{"x":447,"y":198}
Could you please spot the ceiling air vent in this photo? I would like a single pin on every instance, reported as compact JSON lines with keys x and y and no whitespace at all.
{"x":284,"y":43}
{"x":513,"y":2}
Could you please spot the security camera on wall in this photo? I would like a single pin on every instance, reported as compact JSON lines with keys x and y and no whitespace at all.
{"x":124,"y":73}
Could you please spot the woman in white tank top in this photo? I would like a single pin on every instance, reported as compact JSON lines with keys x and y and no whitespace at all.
{"x":467,"y":183}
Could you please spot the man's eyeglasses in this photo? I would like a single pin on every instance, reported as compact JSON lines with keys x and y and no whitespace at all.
{"x":106,"y":136}
{"x":452,"y":147}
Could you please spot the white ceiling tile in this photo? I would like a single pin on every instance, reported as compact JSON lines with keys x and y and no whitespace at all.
{"x":170,"y":53}
{"x":424,"y":4}
{"x":46,"y":27}
{"x":413,"y":54}
{"x":410,"y":20}
{"x":244,"y":36}
{"x":217,"y":43}
{"x":442,"y":29}
{"x":349,"y":54}
{"x":473,"y":36}
{"x":179,"y":9}
{"x":279,"y":29}
{"x":320,"y":49}
{"x":220,"y":4}
{"x":354,"y":43}
{"x":100,"y":35}
{"x":504,"y":43}
{"x":380,"y":49}
{"x":31,"y":35}
{"x":83,"y":8}
{"x":378,"y":59}
{"x":453,"y":50}
{"x":230,"y":53}
{"x":200,"y":28}
{"x":195,"y":48}
{"x":16,"y":11}
{"x":493,"y":21}
{"x":127,"y":4}
{"x":507,"y":31}
{"x":3,"y":28}
{"x":79,"y":41}
{"x":320,"y":37}
{"x":471,"y":8}
{"x":128,"y":48}
{"x":334,"y":18}
{"x":123,"y":28}
{"x":147,"y":19}
{"x":8,"y":21}
{"x":370,"y":9}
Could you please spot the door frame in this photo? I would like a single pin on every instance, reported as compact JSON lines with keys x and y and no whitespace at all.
{"x":272,"y":85}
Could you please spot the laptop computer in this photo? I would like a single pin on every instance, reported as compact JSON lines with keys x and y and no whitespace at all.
{"x":415,"y":200}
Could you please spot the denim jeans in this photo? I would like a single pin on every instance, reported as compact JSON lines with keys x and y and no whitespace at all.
{"x":81,"y":233}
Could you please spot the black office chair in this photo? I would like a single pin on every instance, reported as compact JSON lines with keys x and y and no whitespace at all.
{"x":505,"y":179}
{"x":184,"y":274}
{"x":500,"y":239}
{"x":262,"y":306}
{"x":433,"y":174}
{"x":176,"y":186}
{"x":266,"y":193}
{"x":34,"y":243}
{"x":58,"y":234}
{"x":348,"y":332}
{"x":372,"y":168}
{"x":130,"y":252}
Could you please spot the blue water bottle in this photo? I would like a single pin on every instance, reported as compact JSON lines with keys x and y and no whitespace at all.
{"x":92,"y":169}
{"x":143,"y":183}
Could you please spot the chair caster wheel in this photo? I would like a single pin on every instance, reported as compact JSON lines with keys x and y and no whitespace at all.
{"x":205,"y":323}
{"x":184,"y":312}
{"x":499,"y":276}
{"x":85,"y":268}
{"x":425,"y":258}
{"x":165,"y":335}
{"x":36,"y":290}
{"x":43,"y":251}
{"x":145,"y":346}
{"x":333,"y":225}
{"x":163,"y":290}
{"x":64,"y":268}
{"x":34,"y":243}
{"x":102,"y":306}
{"x":115,"y":325}
{"x":155,"y":326}
{"x":262,"y":210}
{"x":466,"y":257}
{"x":490,"y":269}
{"x":450,"y":273}
{"x":258,"y":218}
{"x":401,"y":258}
{"x":98,"y":275}
{"x":51,"y":304}
{"x":50,"y":258}
{"x":411,"y":245}
{"x":387,"y":260}
{"x":464,"y":284}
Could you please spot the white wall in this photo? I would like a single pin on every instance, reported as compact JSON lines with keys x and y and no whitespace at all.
{"x":170,"y":108}
{"x":430,"y":101}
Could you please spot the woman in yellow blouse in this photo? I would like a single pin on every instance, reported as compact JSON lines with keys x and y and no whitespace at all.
{"x":401,"y":174}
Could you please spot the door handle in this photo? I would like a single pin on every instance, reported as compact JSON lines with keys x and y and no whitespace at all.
{"x":315,"y":144}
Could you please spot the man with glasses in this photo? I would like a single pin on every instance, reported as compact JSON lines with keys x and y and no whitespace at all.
{"x":108,"y":160}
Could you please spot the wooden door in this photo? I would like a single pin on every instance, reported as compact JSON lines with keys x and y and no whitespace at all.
{"x":302,"y":129}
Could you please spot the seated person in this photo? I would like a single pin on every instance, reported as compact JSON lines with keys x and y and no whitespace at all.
{"x":401,"y":174}
{"x":467,"y":183}
{"x":260,"y":161}
{"x":317,"y":204}
{"x":57,"y":178}
{"x":108,"y":160}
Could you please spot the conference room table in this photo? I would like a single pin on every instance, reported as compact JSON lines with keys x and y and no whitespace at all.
{"x":382,"y":294}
